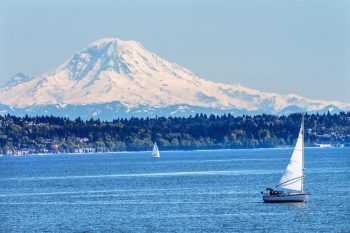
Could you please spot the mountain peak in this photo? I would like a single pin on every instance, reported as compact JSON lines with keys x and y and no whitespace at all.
{"x":115,"y":42}
{"x":17,"y":79}
{"x":111,"y":70}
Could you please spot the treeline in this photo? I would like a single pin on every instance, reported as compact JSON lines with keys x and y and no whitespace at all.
{"x":55,"y":134}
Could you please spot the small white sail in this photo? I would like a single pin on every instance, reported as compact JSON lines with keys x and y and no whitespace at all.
{"x":292,"y":178}
{"x":155,"y":152}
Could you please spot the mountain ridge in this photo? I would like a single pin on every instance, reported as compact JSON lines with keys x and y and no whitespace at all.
{"x":111,"y":70}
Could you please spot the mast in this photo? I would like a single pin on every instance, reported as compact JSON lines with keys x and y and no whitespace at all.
{"x":293,"y":177}
{"x":302,"y":154}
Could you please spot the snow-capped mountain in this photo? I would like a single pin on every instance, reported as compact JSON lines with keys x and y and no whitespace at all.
{"x":115,"y":78}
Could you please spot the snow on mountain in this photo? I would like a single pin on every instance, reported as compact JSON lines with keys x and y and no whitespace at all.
{"x":111,"y":70}
{"x":16,"y":79}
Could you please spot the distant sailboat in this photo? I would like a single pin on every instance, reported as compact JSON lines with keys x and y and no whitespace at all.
{"x":155,"y":152}
{"x":293,"y":178}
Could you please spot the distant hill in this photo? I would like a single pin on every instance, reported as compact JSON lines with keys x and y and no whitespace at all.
{"x":53,"y":134}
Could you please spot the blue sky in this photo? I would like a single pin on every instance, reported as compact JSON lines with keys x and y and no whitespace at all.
{"x":300,"y":47}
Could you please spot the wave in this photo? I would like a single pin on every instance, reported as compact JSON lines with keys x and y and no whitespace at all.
{"x":160,"y":174}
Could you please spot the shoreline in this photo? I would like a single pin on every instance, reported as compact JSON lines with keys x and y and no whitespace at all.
{"x":163,"y":151}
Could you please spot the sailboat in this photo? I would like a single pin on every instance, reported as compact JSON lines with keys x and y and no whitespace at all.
{"x":290,"y":187}
{"x":155,"y":152}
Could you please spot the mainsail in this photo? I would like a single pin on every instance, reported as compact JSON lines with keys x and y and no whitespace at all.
{"x":293,"y":177}
{"x":155,"y":152}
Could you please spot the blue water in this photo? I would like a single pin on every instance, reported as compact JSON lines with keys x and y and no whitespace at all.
{"x":183,"y":191}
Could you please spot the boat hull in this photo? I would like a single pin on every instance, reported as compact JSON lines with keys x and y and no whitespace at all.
{"x":286,"y":198}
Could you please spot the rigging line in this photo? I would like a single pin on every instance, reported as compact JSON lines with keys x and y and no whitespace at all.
{"x":290,"y":183}
{"x":300,"y":177}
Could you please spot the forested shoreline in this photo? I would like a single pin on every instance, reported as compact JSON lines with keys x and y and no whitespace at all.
{"x":49,"y":134}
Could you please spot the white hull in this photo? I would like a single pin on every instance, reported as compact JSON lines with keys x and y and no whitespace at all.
{"x":286,"y":198}
{"x":155,"y":156}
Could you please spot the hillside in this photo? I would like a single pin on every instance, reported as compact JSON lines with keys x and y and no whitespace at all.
{"x":53,"y":134}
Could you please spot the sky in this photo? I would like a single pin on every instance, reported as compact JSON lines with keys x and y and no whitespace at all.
{"x":300,"y":47}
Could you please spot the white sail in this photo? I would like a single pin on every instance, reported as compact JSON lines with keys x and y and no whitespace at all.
{"x":155,"y":152}
{"x":292,"y":178}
